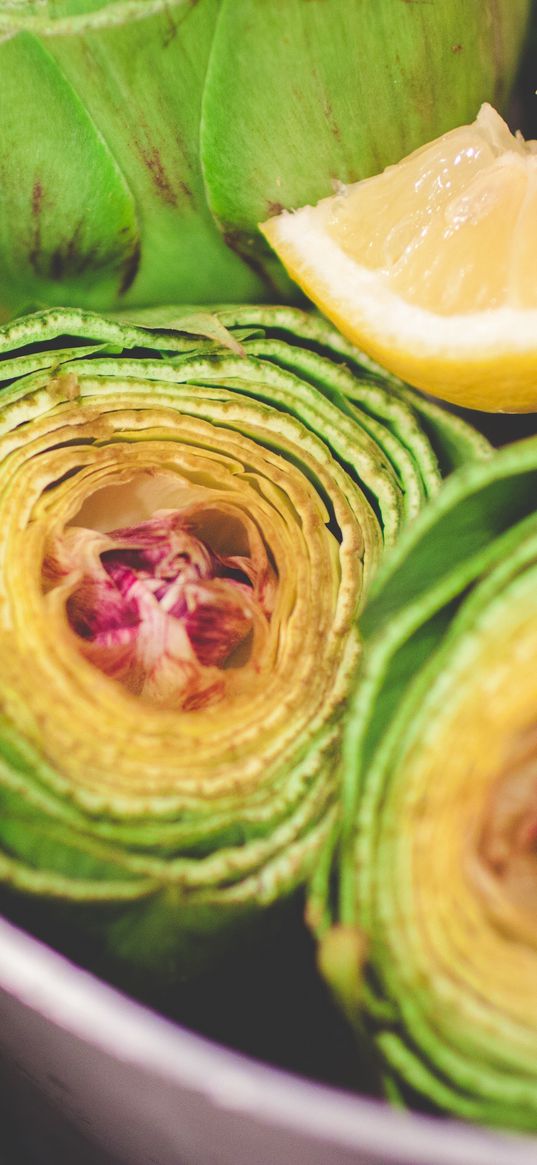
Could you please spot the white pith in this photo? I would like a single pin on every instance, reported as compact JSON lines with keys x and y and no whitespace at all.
{"x":364,"y":300}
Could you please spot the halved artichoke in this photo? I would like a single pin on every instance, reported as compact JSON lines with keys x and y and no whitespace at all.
{"x":191,"y":513}
{"x":432,"y":950}
{"x":143,"y":140}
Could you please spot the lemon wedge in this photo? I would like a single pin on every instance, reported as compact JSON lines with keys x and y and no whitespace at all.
{"x":431,"y":266}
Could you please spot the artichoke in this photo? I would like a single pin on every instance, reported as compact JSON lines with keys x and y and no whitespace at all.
{"x":163,"y":131}
{"x":193,"y":505}
{"x":432,"y":951}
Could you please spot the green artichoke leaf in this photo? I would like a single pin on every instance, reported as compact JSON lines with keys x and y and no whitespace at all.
{"x":189,"y":526}
{"x":108,"y":207}
{"x":163,"y":131}
{"x":76,"y":225}
{"x":301,"y":96}
{"x":433,"y":871}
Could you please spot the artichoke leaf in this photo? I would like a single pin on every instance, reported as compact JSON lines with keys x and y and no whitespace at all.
{"x":336,"y":74}
{"x":112,"y":98}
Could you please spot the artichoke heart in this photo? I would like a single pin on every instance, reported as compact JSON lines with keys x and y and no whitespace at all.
{"x":433,"y":947}
{"x":192,"y":508}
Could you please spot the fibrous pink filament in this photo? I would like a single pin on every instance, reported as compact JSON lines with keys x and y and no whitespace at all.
{"x":156,"y":609}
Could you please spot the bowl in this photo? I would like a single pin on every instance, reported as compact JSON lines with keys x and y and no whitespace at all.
{"x":97,"y":1077}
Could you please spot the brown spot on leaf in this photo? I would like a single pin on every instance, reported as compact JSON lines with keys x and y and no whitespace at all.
{"x":37,"y":203}
{"x":174,"y":21}
{"x":161,"y":182}
{"x":57,"y":263}
{"x":328,"y":111}
{"x":70,"y":258}
{"x":130,"y":269}
{"x":170,"y":29}
{"x":456,"y":48}
{"x":274,"y":208}
{"x":242,"y":245}
{"x":73,"y":258}
{"x":37,"y":199}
